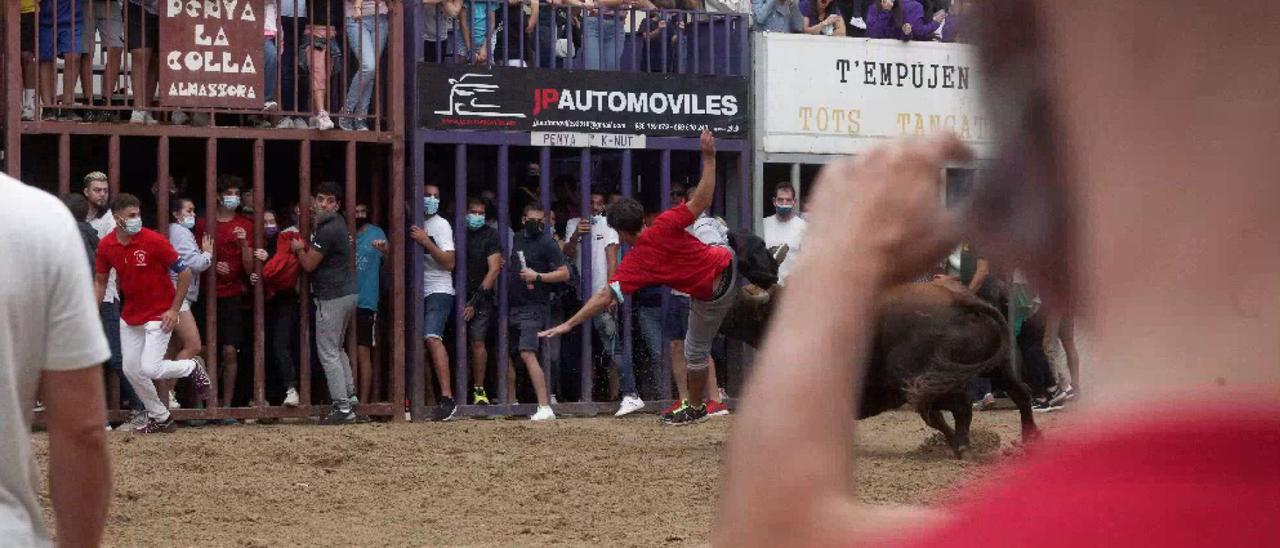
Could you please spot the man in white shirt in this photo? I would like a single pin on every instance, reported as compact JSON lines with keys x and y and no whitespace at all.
{"x":97,"y":190}
{"x":784,"y":227}
{"x":50,"y":290}
{"x":604,"y":260}
{"x":436,"y":238}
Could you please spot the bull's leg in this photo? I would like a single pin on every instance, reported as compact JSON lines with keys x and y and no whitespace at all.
{"x":1021,"y":396}
{"x":933,"y":417}
{"x":958,"y":404}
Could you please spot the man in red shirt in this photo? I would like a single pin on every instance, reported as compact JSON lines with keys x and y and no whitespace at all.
{"x":233,"y":255}
{"x":143,"y":260}
{"x":666,"y":254}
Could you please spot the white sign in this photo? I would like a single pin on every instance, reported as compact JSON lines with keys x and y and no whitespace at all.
{"x":586,"y":140}
{"x":824,"y":95}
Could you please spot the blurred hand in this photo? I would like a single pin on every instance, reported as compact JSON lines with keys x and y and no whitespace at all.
{"x":708,"y":142}
{"x":380,"y":245}
{"x":169,"y":320}
{"x":884,"y":207}
{"x":906,"y":29}
{"x":528,"y":275}
{"x":418,"y":235}
{"x":260,"y":254}
{"x":253,"y":278}
{"x":468,"y":313}
{"x":222,"y":268}
{"x":239,"y":233}
{"x":584,"y":228}
{"x":554,"y":331}
{"x":938,"y":17}
{"x":206,"y":243}
{"x":296,"y":245}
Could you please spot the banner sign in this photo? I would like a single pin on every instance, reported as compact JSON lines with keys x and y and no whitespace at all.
{"x":585,"y":101}
{"x":819,"y":95}
{"x":586,"y":140}
{"x":211,"y":53}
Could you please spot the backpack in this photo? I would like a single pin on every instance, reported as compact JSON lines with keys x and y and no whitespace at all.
{"x":755,"y":263}
{"x":280,"y":273}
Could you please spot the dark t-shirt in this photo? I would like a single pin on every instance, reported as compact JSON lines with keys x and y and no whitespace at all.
{"x":334,"y":277}
{"x":481,"y":244}
{"x":540,"y":254}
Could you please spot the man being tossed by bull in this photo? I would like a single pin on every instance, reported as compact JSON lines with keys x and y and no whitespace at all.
{"x":666,"y":254}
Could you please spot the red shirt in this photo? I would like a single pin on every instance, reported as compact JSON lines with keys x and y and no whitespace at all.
{"x":226,"y":248}
{"x":667,"y":254}
{"x":142,"y":273}
{"x":1209,"y":479}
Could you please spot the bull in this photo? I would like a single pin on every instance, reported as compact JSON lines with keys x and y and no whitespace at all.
{"x":930,"y":340}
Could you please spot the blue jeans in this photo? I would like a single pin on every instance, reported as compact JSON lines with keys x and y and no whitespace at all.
{"x":437,"y":307}
{"x":650,"y":319}
{"x":109,"y":313}
{"x":606,"y":327}
{"x":271,"y":61}
{"x":602,"y":42}
{"x":366,"y":36}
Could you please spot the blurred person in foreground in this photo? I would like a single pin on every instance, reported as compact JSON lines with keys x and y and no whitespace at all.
{"x":1178,"y":441}
{"x":50,"y":302}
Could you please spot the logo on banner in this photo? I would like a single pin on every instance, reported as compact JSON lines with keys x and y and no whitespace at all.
{"x":466,"y":94}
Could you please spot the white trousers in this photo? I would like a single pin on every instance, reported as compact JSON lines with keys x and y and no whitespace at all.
{"x":142,"y":349}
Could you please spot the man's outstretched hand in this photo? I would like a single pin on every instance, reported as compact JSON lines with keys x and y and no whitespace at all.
{"x":708,"y":143}
{"x":555,"y":331}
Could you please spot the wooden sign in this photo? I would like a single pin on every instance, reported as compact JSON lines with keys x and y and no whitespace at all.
{"x":211,"y":53}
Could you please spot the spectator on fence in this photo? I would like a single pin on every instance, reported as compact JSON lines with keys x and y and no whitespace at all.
{"x":785,"y":227}
{"x":366,"y":26}
{"x":902,"y":20}
{"x":953,"y":29}
{"x":516,"y":19}
{"x":321,"y":57}
{"x":104,"y":17}
{"x":143,"y":37}
{"x":270,"y":60}
{"x":281,"y":277}
{"x":50,"y":348}
{"x":823,"y":17}
{"x":61,"y":24}
{"x":371,"y":249}
{"x":436,"y":238}
{"x":26,"y":56}
{"x":484,"y":263}
{"x":604,"y":246}
{"x":778,"y":16}
{"x":233,"y":260}
{"x":477,"y":30}
{"x":295,"y":91}
{"x":97,"y":192}
{"x":536,"y":263}
{"x":438,"y":20}
{"x":197,"y":259}
{"x":143,"y":261}
{"x":333,"y":285}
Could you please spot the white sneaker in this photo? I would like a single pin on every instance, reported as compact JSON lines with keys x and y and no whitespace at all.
{"x":136,"y":420}
{"x":630,"y":404}
{"x":173,"y":401}
{"x":291,"y":398}
{"x":180,"y":118}
{"x":28,"y":104}
{"x":270,"y":105}
{"x":141,"y":117}
{"x":285,"y":123}
{"x":544,"y":414}
{"x":200,"y":119}
{"x":108,"y":427}
{"x":321,"y":121}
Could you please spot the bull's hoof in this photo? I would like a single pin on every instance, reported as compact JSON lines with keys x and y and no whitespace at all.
{"x":962,"y":452}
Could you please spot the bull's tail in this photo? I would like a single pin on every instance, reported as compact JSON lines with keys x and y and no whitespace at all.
{"x":944,"y":375}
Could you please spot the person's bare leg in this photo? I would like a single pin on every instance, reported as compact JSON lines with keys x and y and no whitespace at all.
{"x":46,"y":83}
{"x":364,"y":372}
{"x":713,"y":388}
{"x":153,"y":76}
{"x":697,"y":387}
{"x":138,"y":59}
{"x":440,"y":360}
{"x":678,"y":370}
{"x":1067,"y":334}
{"x":511,"y":384}
{"x":86,"y":77}
{"x":535,"y":376}
{"x":229,"y":367}
{"x":71,"y":64}
{"x":28,"y":70}
{"x":479,"y":359}
{"x":614,"y":383}
{"x":112,"y":74}
{"x":183,"y":346}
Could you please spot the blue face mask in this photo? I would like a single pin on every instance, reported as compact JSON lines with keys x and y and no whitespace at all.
{"x":133,"y":226}
{"x":785,"y":210}
{"x":188,"y":222}
{"x":430,"y":204}
{"x":475,"y":221}
{"x":230,"y":202}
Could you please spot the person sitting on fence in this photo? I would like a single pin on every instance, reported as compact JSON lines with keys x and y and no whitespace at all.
{"x":371,"y":249}
{"x":366,"y":26}
{"x":484,"y":263}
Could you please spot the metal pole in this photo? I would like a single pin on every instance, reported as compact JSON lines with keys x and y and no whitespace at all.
{"x":210,"y":281}
{"x":460,"y":270}
{"x":162,"y":185}
{"x":584,"y":259}
{"x":13,"y":91}
{"x":259,"y":293}
{"x":64,"y":164}
{"x":504,"y":212}
{"x":626,"y":305}
{"x":664,"y":189}
{"x":351,"y":195}
{"x":304,"y":292}
{"x":544,"y":198}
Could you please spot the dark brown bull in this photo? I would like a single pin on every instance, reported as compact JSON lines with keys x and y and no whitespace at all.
{"x":930,"y":340}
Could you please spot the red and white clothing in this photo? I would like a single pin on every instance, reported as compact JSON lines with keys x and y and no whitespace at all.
{"x":667,"y":254}
{"x":142,"y":270}
{"x":227,"y":249}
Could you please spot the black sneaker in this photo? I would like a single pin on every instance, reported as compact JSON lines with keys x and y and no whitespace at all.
{"x":685,"y":415}
{"x":1044,"y":406}
{"x":200,"y":378}
{"x":447,"y":409}
{"x":338,"y":416}
{"x":158,"y":427}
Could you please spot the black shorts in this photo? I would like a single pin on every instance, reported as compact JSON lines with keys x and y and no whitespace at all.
{"x":231,"y":321}
{"x":27,"y":32}
{"x":478,"y":327}
{"x":366,"y":327}
{"x":143,"y":28}
{"x":526,"y":322}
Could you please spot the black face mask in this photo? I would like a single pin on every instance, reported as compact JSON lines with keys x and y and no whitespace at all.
{"x":533,"y":228}
{"x":361,"y":221}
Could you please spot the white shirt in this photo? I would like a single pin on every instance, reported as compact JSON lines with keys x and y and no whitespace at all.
{"x":778,"y":232}
{"x":48,"y":322}
{"x":435,"y":279}
{"x":104,"y":225}
{"x":708,"y":230}
{"x":602,"y":236}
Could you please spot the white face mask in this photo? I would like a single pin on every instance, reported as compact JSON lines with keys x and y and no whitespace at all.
{"x":188,"y":222}
{"x":133,"y":226}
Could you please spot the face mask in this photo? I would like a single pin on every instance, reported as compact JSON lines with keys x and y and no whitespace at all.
{"x":361,"y":221}
{"x":785,"y":210}
{"x":430,"y":205}
{"x":475,"y":221}
{"x":247,"y":210}
{"x":271,"y":230}
{"x":230,"y":202}
{"x":188,"y":222}
{"x":133,"y":226}
{"x":532,"y":228}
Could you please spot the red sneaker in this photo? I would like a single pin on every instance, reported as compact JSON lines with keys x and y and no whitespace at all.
{"x":672,"y":409}
{"x":717,"y":409}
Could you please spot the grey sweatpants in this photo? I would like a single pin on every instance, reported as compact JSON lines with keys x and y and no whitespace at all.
{"x":332,"y":317}
{"x":705,"y":318}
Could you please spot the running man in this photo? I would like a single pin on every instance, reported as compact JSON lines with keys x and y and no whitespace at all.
{"x":666,"y":254}
{"x":143,"y":259}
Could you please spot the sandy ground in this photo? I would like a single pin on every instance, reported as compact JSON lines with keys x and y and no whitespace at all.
{"x":617,"y":482}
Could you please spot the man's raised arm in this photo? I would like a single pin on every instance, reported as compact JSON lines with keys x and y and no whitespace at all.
{"x":702,"y":195}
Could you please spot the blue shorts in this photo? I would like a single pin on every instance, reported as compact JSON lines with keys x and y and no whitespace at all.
{"x":437,"y":307}
{"x":68,"y":40}
{"x":676,"y":324}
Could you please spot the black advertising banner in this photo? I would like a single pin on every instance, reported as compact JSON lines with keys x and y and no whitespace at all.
{"x":545,"y":100}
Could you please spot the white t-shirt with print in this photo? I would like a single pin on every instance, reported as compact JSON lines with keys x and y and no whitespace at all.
{"x":48,"y":322}
{"x":778,"y":232}
{"x":602,"y":236}
{"x":435,"y":279}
